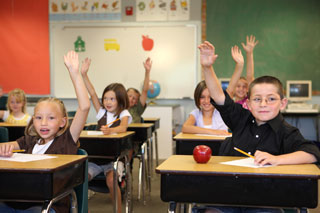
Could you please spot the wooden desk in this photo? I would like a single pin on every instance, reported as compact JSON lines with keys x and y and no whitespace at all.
{"x":185,"y":143}
{"x":155,"y":121}
{"x":15,"y":130}
{"x":313,"y":115}
{"x":104,"y":146}
{"x":143,"y":131}
{"x":185,"y":181}
{"x":42,"y":180}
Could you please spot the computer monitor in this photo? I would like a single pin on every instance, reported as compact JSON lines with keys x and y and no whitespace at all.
{"x":224,"y":83}
{"x":299,"y":91}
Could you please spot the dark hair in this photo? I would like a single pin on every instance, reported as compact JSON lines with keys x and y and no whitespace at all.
{"x":267,"y":80}
{"x":121,"y":96}
{"x":134,"y":89}
{"x":198,"y":91}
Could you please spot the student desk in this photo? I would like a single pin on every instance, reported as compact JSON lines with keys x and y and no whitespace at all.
{"x":15,"y":130}
{"x":42,"y":180}
{"x":185,"y":181}
{"x":312,"y":115}
{"x":109,"y":147}
{"x":156,"y":122}
{"x":185,"y":143}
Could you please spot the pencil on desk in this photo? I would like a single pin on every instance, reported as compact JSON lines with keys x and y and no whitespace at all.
{"x":19,"y":150}
{"x":112,"y":122}
{"x":243,"y":152}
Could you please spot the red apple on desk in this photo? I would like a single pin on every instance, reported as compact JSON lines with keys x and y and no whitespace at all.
{"x":202,"y":153}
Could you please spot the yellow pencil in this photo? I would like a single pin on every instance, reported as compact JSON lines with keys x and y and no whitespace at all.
{"x":19,"y":150}
{"x":112,"y":122}
{"x":243,"y":152}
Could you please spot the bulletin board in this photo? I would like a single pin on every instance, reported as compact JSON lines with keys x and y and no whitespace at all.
{"x":118,"y":51}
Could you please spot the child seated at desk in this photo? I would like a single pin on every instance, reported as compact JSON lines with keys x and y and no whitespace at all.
{"x":113,"y":117}
{"x":261,"y":131}
{"x":137,"y":101}
{"x":49,"y":132}
{"x":205,"y":119}
{"x":16,"y":104}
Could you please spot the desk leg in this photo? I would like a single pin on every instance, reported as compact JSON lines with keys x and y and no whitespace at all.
{"x":172,"y":207}
{"x":156,"y":147}
{"x":129,"y":186}
{"x":151,"y":156}
{"x":47,"y":204}
{"x":115,"y":191}
{"x":142,"y":173}
{"x":149,"y":164}
{"x":303,"y":210}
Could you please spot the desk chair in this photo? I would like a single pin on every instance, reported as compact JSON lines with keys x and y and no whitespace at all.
{"x":98,"y":183}
{"x":4,"y":134}
{"x":80,"y":194}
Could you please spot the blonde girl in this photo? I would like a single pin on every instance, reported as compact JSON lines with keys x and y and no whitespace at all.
{"x":16,"y":105}
{"x":48,"y":132}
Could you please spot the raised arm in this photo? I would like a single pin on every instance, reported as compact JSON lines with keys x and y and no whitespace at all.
{"x":147,"y":66}
{"x":84,"y":72}
{"x":248,"y":47}
{"x":238,"y":58}
{"x":71,"y":61}
{"x":207,"y":59}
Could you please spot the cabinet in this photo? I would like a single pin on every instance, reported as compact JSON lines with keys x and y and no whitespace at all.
{"x":170,"y":119}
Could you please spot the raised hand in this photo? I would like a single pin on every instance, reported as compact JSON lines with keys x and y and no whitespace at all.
{"x":251,"y":43}
{"x":71,"y":60}
{"x":207,"y":54}
{"x":237,"y":55}
{"x":85,"y":65}
{"x":147,"y":64}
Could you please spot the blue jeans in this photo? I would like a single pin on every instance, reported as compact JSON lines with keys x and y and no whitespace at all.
{"x":34,"y":209}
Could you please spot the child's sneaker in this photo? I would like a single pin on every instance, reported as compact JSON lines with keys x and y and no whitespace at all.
{"x":121,"y":170}
{"x":90,"y":194}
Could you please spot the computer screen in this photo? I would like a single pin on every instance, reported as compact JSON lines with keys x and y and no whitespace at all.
{"x":299,"y":91}
{"x":224,"y":83}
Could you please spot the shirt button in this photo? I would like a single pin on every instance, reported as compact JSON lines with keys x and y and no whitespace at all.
{"x":253,"y":121}
{"x":257,"y":136}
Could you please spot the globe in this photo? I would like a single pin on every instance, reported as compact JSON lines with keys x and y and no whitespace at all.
{"x":154,"y":89}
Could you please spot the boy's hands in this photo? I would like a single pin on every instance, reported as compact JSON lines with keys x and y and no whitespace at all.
{"x":6,"y":150}
{"x":71,"y":60}
{"x":85,"y":66}
{"x":237,"y":55}
{"x":207,"y":54}
{"x":264,"y":158}
{"x":251,"y":43}
{"x":147,"y":65}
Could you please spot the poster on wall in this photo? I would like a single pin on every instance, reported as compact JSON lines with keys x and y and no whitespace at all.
{"x":163,"y":10}
{"x":84,"y":10}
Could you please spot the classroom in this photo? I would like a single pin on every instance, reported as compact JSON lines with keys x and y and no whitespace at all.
{"x":119,"y":35}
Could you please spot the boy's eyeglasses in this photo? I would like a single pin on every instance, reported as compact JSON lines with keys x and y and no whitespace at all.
{"x":269,"y":100}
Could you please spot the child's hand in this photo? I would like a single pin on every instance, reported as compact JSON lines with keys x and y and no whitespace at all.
{"x":71,"y":60}
{"x":6,"y":150}
{"x":251,"y":43}
{"x":85,"y":66}
{"x":264,"y":158}
{"x":106,"y":130}
{"x":237,"y":55}
{"x":207,"y":54}
{"x":147,"y":65}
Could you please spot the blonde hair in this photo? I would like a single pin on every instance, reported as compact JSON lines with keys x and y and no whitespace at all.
{"x":30,"y":130}
{"x":20,"y":97}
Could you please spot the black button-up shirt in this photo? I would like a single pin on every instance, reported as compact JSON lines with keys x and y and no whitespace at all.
{"x":275,"y":136}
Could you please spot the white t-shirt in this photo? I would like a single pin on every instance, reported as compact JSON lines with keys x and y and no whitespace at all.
{"x":217,"y":122}
{"x":41,"y":149}
{"x":111,"y":116}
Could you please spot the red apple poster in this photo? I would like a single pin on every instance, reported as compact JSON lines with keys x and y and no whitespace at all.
{"x":147,"y":43}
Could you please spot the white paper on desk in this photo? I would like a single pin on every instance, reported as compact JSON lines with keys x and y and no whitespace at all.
{"x":246,"y":162}
{"x":18,"y":157}
{"x":221,"y":136}
{"x":98,"y":133}
{"x":94,"y":132}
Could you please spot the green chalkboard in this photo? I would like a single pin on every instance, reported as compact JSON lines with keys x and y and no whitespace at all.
{"x":288,"y":32}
